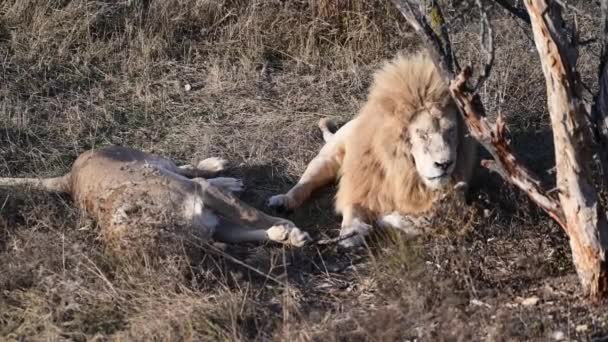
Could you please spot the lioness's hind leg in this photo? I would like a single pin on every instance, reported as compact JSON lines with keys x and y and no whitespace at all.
{"x":213,"y":164}
{"x":206,"y":168}
{"x":285,"y":232}
{"x":233,"y":185}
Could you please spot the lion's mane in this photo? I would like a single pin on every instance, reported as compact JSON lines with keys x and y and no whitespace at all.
{"x":378,"y":172}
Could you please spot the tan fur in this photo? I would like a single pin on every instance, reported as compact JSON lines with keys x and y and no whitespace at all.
{"x":371,"y":154}
{"x":137,"y":198}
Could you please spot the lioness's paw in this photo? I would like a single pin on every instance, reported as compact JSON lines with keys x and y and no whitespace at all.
{"x":288,"y":234}
{"x":233,"y":185}
{"x":213,"y":164}
{"x":356,"y":232}
{"x":279,"y":203}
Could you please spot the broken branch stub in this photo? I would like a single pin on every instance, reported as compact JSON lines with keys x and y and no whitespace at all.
{"x":504,"y":162}
{"x":586,"y":222}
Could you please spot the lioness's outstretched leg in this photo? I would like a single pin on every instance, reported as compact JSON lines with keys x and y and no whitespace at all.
{"x":248,"y":223}
{"x":320,"y":171}
{"x":285,"y":233}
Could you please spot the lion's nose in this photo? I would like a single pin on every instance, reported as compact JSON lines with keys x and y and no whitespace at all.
{"x":444,"y":165}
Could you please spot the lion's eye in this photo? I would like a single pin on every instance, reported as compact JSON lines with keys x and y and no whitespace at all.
{"x":423,"y":135}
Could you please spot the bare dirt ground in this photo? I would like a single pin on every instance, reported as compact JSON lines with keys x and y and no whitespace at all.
{"x":78,"y":74}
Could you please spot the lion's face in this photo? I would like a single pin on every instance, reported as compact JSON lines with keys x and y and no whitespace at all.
{"x":433,"y":135}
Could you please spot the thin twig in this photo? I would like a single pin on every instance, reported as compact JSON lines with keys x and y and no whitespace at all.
{"x":487,"y":45}
{"x":441,"y":53}
{"x":323,"y":242}
{"x":518,"y":12}
{"x":221,"y":253}
{"x":572,"y":8}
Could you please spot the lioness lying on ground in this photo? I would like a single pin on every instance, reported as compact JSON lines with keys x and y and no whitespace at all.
{"x":125,"y":189}
{"x":404,"y":149}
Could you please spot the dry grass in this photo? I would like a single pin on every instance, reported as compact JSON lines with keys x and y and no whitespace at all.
{"x":75,"y":74}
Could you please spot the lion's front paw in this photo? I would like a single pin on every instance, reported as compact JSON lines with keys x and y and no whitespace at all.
{"x":410,"y":225}
{"x":233,"y":185}
{"x":354,"y":234}
{"x":288,"y":234}
{"x":460,"y":190}
{"x":213,"y":164}
{"x":279,"y":203}
{"x":461,"y":186}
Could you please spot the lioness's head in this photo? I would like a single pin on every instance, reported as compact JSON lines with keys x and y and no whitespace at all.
{"x":433,"y":137}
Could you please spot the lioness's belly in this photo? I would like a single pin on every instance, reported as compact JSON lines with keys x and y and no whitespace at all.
{"x":107,"y":179}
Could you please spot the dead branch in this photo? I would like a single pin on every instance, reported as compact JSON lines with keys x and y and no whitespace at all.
{"x":566,"y":5}
{"x":332,"y":241}
{"x":585,"y":218}
{"x":504,"y":162}
{"x":440,"y":48}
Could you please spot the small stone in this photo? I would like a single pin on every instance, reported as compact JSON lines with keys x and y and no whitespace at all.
{"x":558,"y":336}
{"x":582,"y":328}
{"x":477,"y":302}
{"x":530,"y":301}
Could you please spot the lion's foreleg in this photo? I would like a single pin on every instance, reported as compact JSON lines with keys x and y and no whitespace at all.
{"x":410,"y":225}
{"x":354,"y":227}
{"x":322,"y":170}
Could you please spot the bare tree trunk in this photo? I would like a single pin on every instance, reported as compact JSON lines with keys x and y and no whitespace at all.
{"x":586,"y":223}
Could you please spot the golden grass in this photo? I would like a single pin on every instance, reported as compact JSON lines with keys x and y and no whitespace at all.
{"x":75,"y":74}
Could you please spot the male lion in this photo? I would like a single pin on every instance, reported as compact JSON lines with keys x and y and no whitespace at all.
{"x":398,"y":156}
{"x":126,"y":190}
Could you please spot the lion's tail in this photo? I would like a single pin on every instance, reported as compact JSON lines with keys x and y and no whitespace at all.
{"x":324,"y":124}
{"x":56,"y":184}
